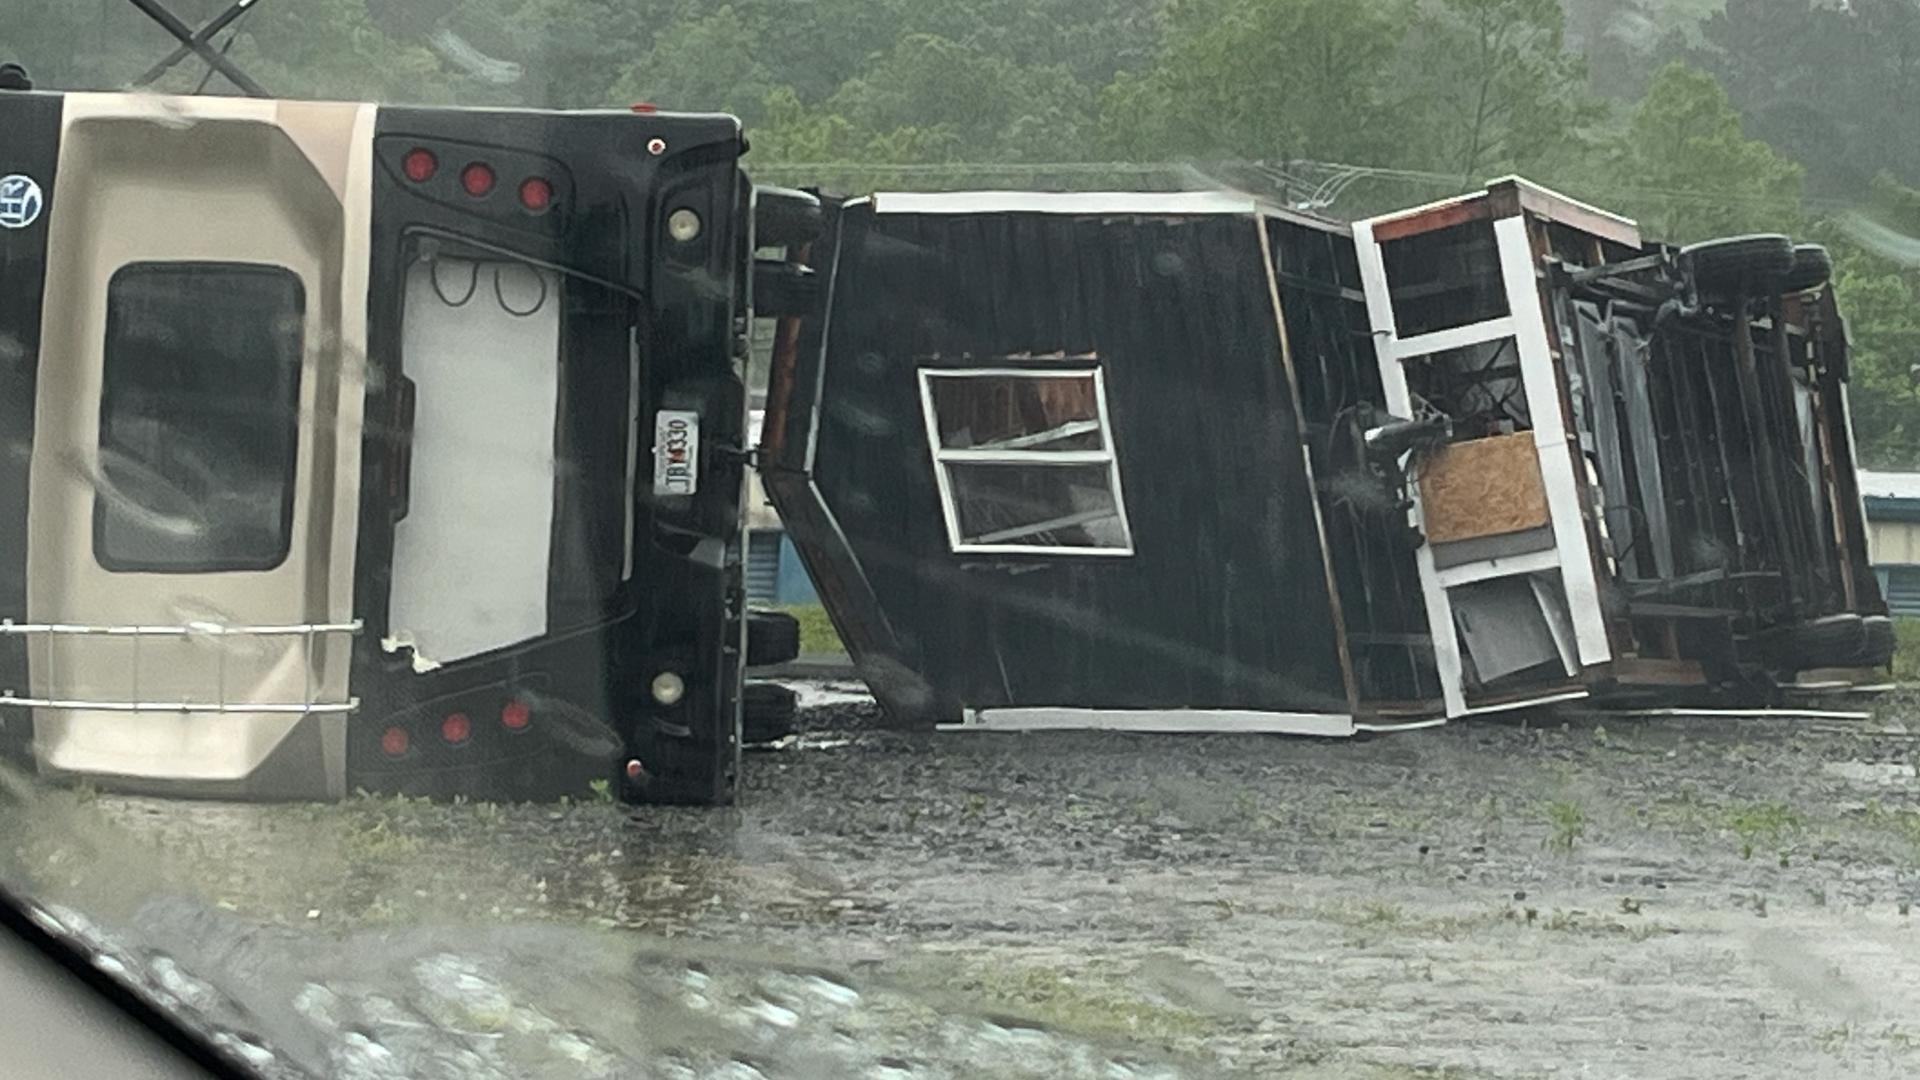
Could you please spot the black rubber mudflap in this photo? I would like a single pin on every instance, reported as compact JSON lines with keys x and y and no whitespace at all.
{"x":769,"y":713}
{"x":773,"y":637}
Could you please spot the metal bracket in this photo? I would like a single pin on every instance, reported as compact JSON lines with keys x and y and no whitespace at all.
{"x":198,"y":43}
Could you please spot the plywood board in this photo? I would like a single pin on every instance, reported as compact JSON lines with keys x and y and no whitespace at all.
{"x":1483,"y":487}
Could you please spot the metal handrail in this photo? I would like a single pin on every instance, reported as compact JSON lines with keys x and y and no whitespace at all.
{"x":49,"y":631}
{"x":293,"y":708}
{"x":8,"y":626}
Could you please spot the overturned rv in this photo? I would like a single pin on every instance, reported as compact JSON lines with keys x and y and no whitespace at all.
{"x":354,"y":446}
{"x":1190,"y":462}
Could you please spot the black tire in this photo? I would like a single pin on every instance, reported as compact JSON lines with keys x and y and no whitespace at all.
{"x":785,"y":218}
{"x":773,"y":637}
{"x":783,"y":290}
{"x":1829,"y":641}
{"x":1811,"y":268}
{"x":767,"y":713}
{"x":1753,"y":265}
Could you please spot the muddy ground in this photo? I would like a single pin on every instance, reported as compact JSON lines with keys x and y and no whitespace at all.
{"x":1545,"y":896}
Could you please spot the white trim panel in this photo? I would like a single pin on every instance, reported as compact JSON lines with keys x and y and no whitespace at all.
{"x":1528,"y":703}
{"x":1522,"y":181}
{"x":1139,"y":203}
{"x":1393,"y":382}
{"x":1550,"y":440}
{"x":1404,"y":725}
{"x":1154,"y":720}
{"x":1458,"y":337}
{"x":1531,"y":562}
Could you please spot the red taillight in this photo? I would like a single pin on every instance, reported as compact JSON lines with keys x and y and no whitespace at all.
{"x":645,"y":107}
{"x":536,"y":194}
{"x":394,"y":741}
{"x":419,"y":165}
{"x":456,"y":728}
{"x":477,"y":178}
{"x":515,"y":715}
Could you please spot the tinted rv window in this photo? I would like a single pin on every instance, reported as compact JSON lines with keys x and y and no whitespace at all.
{"x":199,"y":417}
{"x":1026,"y":461}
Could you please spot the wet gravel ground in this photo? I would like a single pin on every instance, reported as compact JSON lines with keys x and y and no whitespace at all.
{"x":1551,"y":895}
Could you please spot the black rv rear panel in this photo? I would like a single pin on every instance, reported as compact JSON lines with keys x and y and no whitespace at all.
{"x":631,"y":297}
{"x":29,"y":148}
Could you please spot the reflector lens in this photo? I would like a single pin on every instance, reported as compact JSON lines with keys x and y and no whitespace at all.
{"x":683,"y":225}
{"x":456,"y":728}
{"x":419,"y":165}
{"x":635,"y":770}
{"x":477,"y":178}
{"x":393,"y":742}
{"x":515,"y":715}
{"x":536,"y":194}
{"x":668,"y":688}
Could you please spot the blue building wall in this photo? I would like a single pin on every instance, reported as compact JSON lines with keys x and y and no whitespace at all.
{"x":774,"y":572}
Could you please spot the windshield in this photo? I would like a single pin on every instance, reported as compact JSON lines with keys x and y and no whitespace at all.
{"x":1109,"y":538}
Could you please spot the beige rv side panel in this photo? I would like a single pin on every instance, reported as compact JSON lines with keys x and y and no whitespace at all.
{"x":146,"y":179}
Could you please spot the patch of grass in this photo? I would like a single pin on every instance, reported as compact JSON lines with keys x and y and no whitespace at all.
{"x":817,"y":634}
{"x":1906,"y":653}
{"x":1569,"y":826}
{"x":602,"y":790}
{"x":1380,"y":913}
{"x":377,"y":840}
{"x":1765,"y":825}
{"x":1903,"y":825}
{"x":1080,"y":1002}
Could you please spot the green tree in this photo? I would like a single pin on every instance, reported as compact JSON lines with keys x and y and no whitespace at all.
{"x":1494,"y":89}
{"x":1265,"y":79}
{"x":1832,"y":85}
{"x":1882,"y":310}
{"x":1687,"y":171}
{"x":710,"y":63}
{"x":962,"y":103}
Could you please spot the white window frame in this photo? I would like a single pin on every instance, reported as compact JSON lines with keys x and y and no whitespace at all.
{"x":944,"y":457}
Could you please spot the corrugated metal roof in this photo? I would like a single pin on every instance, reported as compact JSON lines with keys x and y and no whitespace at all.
{"x":1889,"y":485}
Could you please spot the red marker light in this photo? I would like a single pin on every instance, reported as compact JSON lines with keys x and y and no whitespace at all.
{"x":456,"y":728}
{"x":536,"y":194}
{"x":645,"y":107}
{"x":393,"y":742}
{"x":635,"y":770}
{"x":515,"y":715}
{"x":419,"y":165}
{"x":477,"y":178}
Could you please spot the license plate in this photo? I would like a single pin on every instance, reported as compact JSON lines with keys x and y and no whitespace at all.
{"x":676,"y":452}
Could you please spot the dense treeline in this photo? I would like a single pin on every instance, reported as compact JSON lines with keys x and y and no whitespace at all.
{"x":1701,"y":117}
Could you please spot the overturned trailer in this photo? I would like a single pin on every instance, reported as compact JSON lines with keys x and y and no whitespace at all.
{"x":1191,"y":462}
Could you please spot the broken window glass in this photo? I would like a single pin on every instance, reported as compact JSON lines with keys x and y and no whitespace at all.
{"x":199,"y":417}
{"x":1058,"y":506}
{"x":1026,"y":461}
{"x":1023,"y":412}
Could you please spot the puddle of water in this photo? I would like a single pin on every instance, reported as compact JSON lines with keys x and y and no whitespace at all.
{"x":1872,"y":773}
{"x":819,"y":695}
